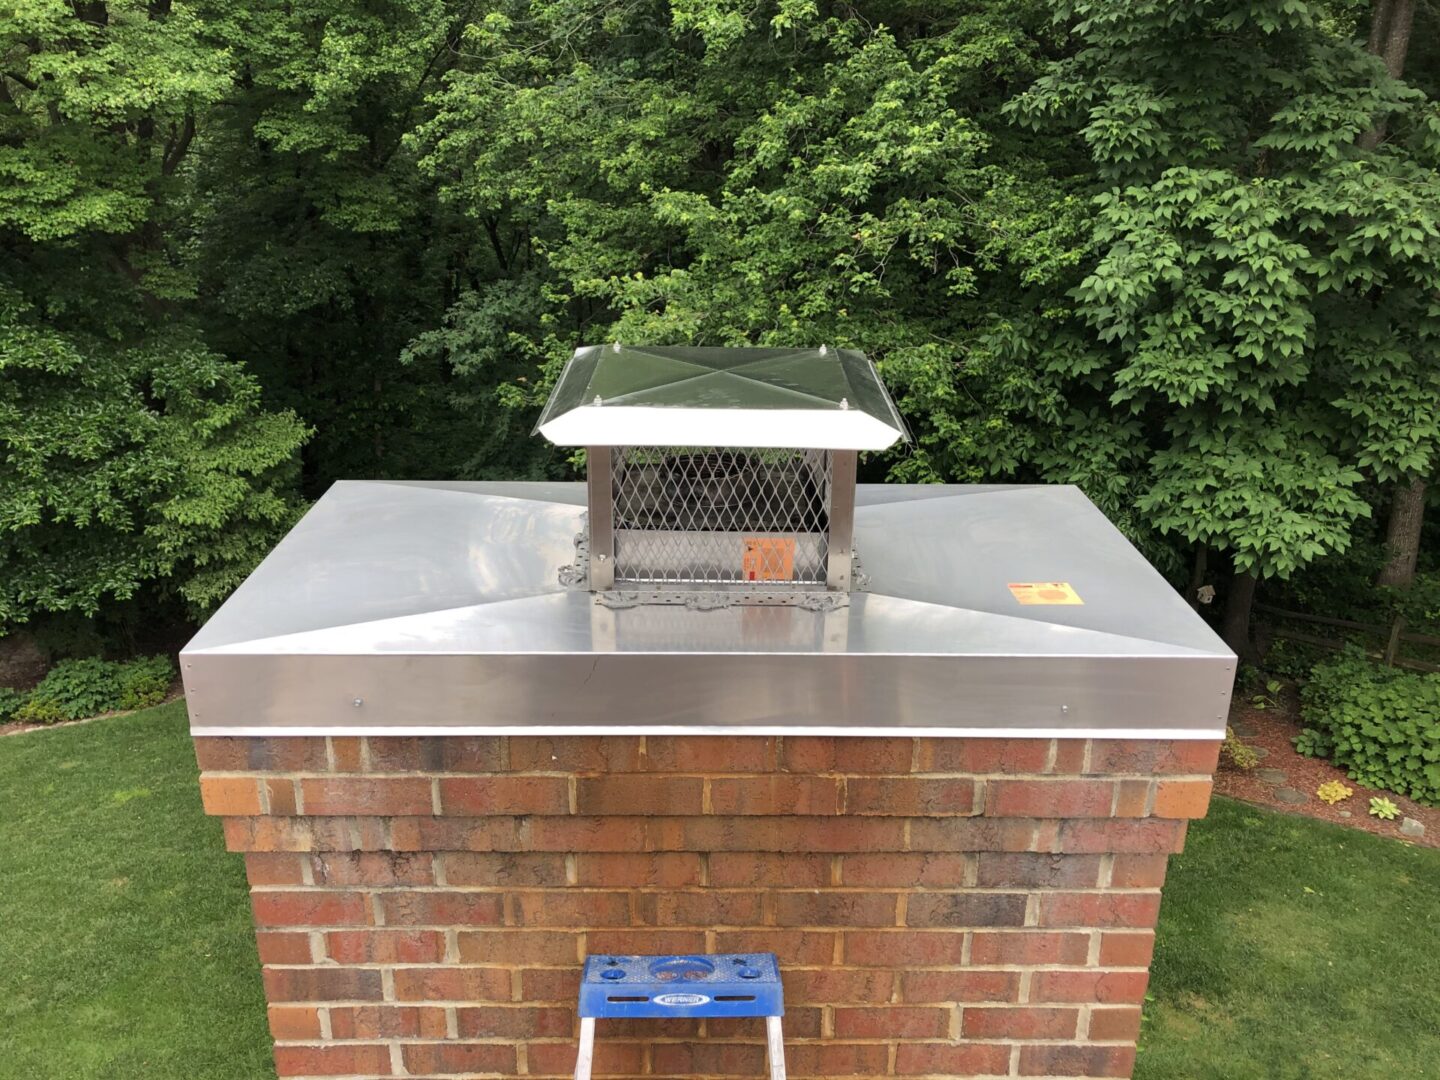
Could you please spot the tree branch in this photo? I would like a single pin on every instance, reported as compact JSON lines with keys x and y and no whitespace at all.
{"x":176,"y":150}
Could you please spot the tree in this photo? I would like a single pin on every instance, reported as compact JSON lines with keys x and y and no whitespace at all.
{"x":135,"y":457}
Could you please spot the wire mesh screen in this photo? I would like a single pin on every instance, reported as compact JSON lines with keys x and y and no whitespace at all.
{"x":720,"y":514}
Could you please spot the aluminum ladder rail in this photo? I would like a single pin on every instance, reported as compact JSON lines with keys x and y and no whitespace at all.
{"x":670,"y":987}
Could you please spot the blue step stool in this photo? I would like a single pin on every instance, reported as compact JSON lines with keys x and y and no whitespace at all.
{"x":732,"y":984}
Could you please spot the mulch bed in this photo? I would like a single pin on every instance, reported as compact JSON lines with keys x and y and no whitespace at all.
{"x":1274,"y":729}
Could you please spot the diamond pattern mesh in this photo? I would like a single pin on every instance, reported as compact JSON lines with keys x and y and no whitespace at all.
{"x":720,"y":514}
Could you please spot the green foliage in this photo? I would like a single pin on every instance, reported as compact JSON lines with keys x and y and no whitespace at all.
{"x":75,"y":689}
{"x":1382,"y":725}
{"x":1238,"y":753}
{"x":10,"y":702}
{"x":1384,"y":809}
{"x":1333,"y":791}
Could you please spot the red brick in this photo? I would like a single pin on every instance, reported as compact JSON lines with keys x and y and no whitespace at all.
{"x":1029,"y":947}
{"x":709,"y":753}
{"x":1132,"y":798}
{"x":701,"y":909}
{"x":1089,"y":987}
{"x":671,"y":870}
{"x":1036,"y":870}
{"x":952,"y":1059}
{"x":846,"y":754}
{"x":290,"y":834}
{"x":309,"y":909}
{"x":799,"y":834}
{"x":931,"y":869}
{"x":480,"y":795}
{"x":599,"y":833}
{"x":512,"y":948}
{"x":775,"y":795}
{"x":503,"y":868}
{"x":1138,"y":871}
{"x":338,"y":1059}
{"x":383,"y":797}
{"x":1182,"y":798}
{"x":294,"y":1022}
{"x":894,"y":948}
{"x":1069,"y":756}
{"x":282,"y":947}
{"x":650,"y":940}
{"x":273,"y":868}
{"x":971,"y":834}
{"x":1077,"y":1060}
{"x":748,"y":868}
{"x":556,"y":984}
{"x":322,"y":984}
{"x":966,"y":909}
{"x":440,"y":1058}
{"x":267,"y":754}
{"x":639,"y":795}
{"x":466,"y":984}
{"x":892,"y":1022}
{"x":385,"y":946}
{"x":379,"y":868}
{"x":611,"y":1058}
{"x":832,"y":985}
{"x":708,"y":1059}
{"x":280,"y":795}
{"x":575,"y":753}
{"x":1099,"y":909}
{"x":435,"y":753}
{"x":805,"y":1023}
{"x":1120,"y":1025}
{"x":983,"y":755}
{"x":230,"y":796}
{"x":510,"y":1022}
{"x":572,"y":908}
{"x":960,"y":986}
{"x":387,"y":1022}
{"x":442,"y":909}
{"x":838,"y":909}
{"x":1049,"y":798}
{"x":347,"y":753}
{"x":1127,"y":950}
{"x":793,"y":947}
{"x":1148,"y":756}
{"x":1021,"y":1022}
{"x":835,"y":1058}
{"x":1144,"y":837}
{"x":910,"y":797}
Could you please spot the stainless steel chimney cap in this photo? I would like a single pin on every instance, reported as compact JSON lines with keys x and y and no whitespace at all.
{"x":621,"y":395}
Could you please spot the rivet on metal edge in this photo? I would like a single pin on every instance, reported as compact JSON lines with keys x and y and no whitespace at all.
{"x":616,"y":346}
{"x":1064,"y":708}
{"x":844,"y":403}
{"x":358,"y":702}
{"x":824,"y":350}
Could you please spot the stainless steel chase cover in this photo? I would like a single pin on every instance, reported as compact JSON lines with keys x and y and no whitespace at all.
{"x":438,"y":608}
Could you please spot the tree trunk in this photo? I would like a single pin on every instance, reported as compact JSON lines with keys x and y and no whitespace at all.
{"x":1391,"y":22}
{"x":1197,"y":575}
{"x":1237,"y":615}
{"x":1402,"y":536}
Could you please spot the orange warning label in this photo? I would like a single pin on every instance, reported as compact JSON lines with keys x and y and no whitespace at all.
{"x":769,"y":558}
{"x":1044,"y":592}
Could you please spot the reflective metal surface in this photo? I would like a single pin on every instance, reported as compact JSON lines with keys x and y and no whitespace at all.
{"x":620,"y":395}
{"x":437,"y":607}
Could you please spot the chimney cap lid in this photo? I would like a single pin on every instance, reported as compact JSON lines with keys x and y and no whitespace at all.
{"x":624,"y":395}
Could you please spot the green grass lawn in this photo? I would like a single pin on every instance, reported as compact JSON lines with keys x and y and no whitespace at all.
{"x":1288,"y":949}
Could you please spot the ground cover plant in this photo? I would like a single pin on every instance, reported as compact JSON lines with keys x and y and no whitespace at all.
{"x":1288,"y":949}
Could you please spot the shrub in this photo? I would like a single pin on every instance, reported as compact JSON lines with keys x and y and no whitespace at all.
{"x":1382,"y":725}
{"x":144,"y":682}
{"x":10,"y":702}
{"x":78,"y":688}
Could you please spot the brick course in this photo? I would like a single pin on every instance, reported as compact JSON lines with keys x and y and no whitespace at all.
{"x":940,"y":907}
